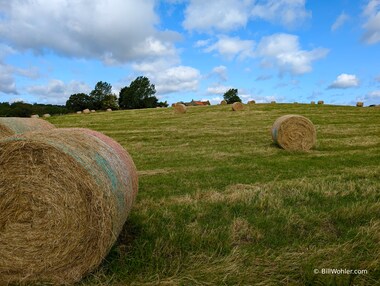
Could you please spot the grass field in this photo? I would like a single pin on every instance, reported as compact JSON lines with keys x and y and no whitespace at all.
{"x":220,"y":204}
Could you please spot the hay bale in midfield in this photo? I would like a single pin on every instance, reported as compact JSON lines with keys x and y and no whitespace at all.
{"x":180,"y":108}
{"x":312,"y":103}
{"x":93,"y":111}
{"x":359,"y":104}
{"x":65,"y":196}
{"x":273,"y":102}
{"x":86,"y":111}
{"x":16,"y":125}
{"x":109,"y":109}
{"x":34,"y":116}
{"x":79,"y":112}
{"x":46,"y":115}
{"x":237,"y":106}
{"x":294,"y":133}
{"x":251,"y":102}
{"x":223,"y":102}
{"x":321,"y":102}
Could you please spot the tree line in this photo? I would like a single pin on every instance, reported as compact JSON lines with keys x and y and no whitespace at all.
{"x":139,"y":94}
{"x":21,"y":109}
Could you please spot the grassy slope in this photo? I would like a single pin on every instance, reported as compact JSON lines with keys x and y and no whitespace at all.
{"x":218,"y":203}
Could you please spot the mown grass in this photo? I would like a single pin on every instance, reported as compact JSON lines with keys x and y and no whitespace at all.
{"x":220,"y":204}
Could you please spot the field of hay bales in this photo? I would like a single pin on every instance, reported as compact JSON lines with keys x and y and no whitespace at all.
{"x":220,"y":204}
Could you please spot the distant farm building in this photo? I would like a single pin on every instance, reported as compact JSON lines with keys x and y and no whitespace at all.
{"x":197,"y":103}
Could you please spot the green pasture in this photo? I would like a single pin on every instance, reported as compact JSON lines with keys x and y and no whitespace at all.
{"x":220,"y":204}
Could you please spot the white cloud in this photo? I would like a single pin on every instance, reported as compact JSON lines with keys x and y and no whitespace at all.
{"x":232,"y":47}
{"x":340,"y":21}
{"x":218,"y":89}
{"x":169,"y":79}
{"x":289,"y":13}
{"x":374,"y":94}
{"x":7,"y":81}
{"x":219,"y":15}
{"x":372,"y":25}
{"x":221,"y":72}
{"x":57,"y":91}
{"x":264,"y":77}
{"x":283,"y":52}
{"x":345,"y":81}
{"x":113,"y":31}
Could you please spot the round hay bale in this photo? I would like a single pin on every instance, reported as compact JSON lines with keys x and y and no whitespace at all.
{"x":173,"y":104}
{"x":321,"y":102}
{"x":93,"y":111}
{"x":180,"y":108}
{"x":359,"y":104}
{"x":46,"y":115}
{"x":86,"y":111}
{"x":223,"y":102}
{"x":34,"y":116}
{"x":109,"y":109}
{"x":65,"y":196}
{"x":312,"y":103}
{"x":237,"y":106}
{"x":251,"y":102}
{"x":294,"y":133}
{"x":15,"y":125}
{"x":79,"y":112}
{"x":273,"y":102}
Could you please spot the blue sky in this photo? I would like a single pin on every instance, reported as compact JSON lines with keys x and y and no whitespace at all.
{"x":283,"y":50}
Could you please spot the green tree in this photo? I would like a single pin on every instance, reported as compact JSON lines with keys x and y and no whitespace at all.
{"x":78,"y":101}
{"x":139,"y":94}
{"x":110,"y":101}
{"x":231,"y":96}
{"x":101,"y":92}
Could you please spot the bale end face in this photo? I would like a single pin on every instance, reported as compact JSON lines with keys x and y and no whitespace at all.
{"x":359,"y":104}
{"x":294,"y":133}
{"x":180,"y":108}
{"x":223,"y":102}
{"x":237,"y":106}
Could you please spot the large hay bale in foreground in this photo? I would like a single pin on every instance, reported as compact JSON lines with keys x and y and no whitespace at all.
{"x":16,"y":125}
{"x":65,"y":195}
{"x":237,"y":106}
{"x":180,"y":108}
{"x":294,"y":133}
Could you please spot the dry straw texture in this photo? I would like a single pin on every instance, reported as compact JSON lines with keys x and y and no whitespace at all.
{"x":294,"y":133}
{"x":65,"y":195}
{"x":359,"y":104}
{"x":180,"y":108}
{"x":237,"y":106}
{"x":16,"y":125}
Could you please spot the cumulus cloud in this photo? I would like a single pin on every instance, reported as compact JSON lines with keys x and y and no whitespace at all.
{"x":169,"y":79}
{"x":340,"y":21}
{"x":289,"y":13}
{"x":372,"y":24}
{"x":57,"y":91}
{"x":218,"y":89}
{"x":221,"y":72}
{"x":219,"y":15}
{"x":7,"y":81}
{"x":232,"y":47}
{"x":344,"y":81}
{"x":283,"y":52}
{"x":113,"y":31}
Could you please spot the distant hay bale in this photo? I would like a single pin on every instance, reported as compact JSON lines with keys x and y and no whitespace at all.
{"x":223,"y":102}
{"x":34,"y":116}
{"x":109,"y":109}
{"x":294,"y":133}
{"x":46,"y":115}
{"x":15,"y":125}
{"x":359,"y":104}
{"x":321,"y":102}
{"x":237,"y":106}
{"x":173,"y":104}
{"x":86,"y":111}
{"x":312,"y":103}
{"x":93,"y":111}
{"x":79,"y":112}
{"x":251,"y":102}
{"x":65,"y":195}
{"x":180,"y":108}
{"x":273,"y":102}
